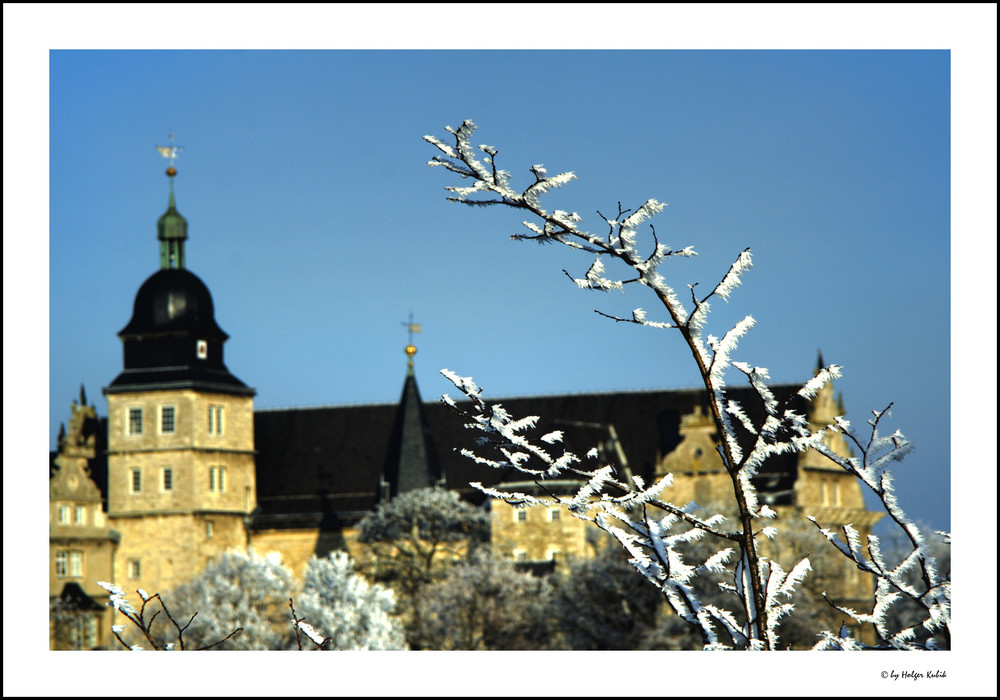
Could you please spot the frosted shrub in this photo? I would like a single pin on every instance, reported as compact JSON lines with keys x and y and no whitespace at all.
{"x":346,"y":611}
{"x":241,"y":602}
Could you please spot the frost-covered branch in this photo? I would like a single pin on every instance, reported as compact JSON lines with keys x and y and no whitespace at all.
{"x":119,"y":602}
{"x":761,"y":586}
{"x":505,"y":434}
{"x":611,"y":504}
{"x":621,"y":243}
{"x":894,"y":582}
{"x":302,"y":627}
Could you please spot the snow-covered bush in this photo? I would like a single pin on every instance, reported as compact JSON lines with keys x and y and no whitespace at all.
{"x":346,"y":610}
{"x":644,"y":524}
{"x":242,"y":601}
{"x":239,"y":589}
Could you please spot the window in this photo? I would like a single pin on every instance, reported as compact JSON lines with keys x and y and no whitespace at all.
{"x":135,"y":421}
{"x":69,"y":563}
{"x":134,"y":568}
{"x":553,"y":514}
{"x":64,"y":515}
{"x":76,"y":564}
{"x":209,"y":529}
{"x":80,"y":515}
{"x":215,"y":419}
{"x":217,"y":479}
{"x":135,"y":484}
{"x":168,"y":479}
{"x":168,"y":419}
{"x":520,"y":515}
{"x":83,"y":632}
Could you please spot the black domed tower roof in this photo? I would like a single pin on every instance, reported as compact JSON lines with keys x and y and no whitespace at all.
{"x":173,"y":300}
{"x":173,"y":341}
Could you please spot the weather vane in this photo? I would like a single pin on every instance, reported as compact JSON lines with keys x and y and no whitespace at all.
{"x":170,"y":152}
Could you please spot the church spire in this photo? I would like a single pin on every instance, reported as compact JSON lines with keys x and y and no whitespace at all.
{"x":171,"y":229}
{"x":411,"y":460}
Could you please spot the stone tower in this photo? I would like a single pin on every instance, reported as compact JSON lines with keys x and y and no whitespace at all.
{"x":181,"y":480}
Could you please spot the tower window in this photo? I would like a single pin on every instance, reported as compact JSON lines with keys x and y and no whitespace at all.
{"x":135,"y":485}
{"x":520,"y":515}
{"x":217,"y":479}
{"x":80,"y":515}
{"x":69,"y":563}
{"x":554,"y":514}
{"x":134,"y":568}
{"x":64,"y":515}
{"x":168,"y":419}
{"x":135,"y":421}
{"x":76,"y":564}
{"x":209,"y":529}
{"x":215,"y":419}
{"x":168,"y":479}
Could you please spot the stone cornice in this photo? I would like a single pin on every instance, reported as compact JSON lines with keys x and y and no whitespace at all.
{"x":179,"y":511}
{"x":182,"y":448}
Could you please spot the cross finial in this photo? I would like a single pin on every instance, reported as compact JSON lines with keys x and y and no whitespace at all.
{"x":170,"y":152}
{"x":411,"y":349}
{"x":411,"y":328}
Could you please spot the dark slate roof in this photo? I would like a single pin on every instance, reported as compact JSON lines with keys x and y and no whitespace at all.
{"x":173,"y":300}
{"x":321,"y":466}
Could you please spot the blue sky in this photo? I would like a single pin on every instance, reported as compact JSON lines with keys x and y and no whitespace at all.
{"x":317,"y":225}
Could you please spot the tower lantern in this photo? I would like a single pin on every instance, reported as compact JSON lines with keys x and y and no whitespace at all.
{"x":171,"y":229}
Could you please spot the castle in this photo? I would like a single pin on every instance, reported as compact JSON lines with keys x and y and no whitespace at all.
{"x":183,"y":468}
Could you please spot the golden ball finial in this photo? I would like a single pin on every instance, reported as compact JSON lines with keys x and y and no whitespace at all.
{"x":411,"y":350}
{"x":171,"y":171}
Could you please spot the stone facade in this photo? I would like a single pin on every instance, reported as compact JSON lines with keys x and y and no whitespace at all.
{"x":82,"y":543}
{"x":297,"y":545}
{"x":181,"y":481}
{"x":539,"y":534}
